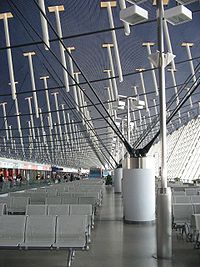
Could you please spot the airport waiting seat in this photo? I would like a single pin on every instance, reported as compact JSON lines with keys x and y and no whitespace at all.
{"x":88,"y":200}
{"x":5,"y":200}
{"x":69,"y":200}
{"x":53,"y":200}
{"x":195,"y":199}
{"x":36,"y":210}
{"x":196,"y":207}
{"x":70,"y":231}
{"x":40,"y":232}
{"x":182,"y":199}
{"x":182,"y":212}
{"x":38,"y":197}
{"x":18,"y":204}
{"x":12,"y":230}
{"x":61,"y":209}
{"x":195,"y":226}
{"x":179,"y":193}
{"x":84,"y":209}
{"x":190,"y":191}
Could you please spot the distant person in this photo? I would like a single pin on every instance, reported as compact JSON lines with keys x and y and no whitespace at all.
{"x":1,"y":181}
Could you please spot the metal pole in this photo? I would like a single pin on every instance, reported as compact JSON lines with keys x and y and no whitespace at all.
{"x":58,"y":9}
{"x":127,"y":30}
{"x":164,"y":223}
{"x":5,"y":17}
{"x":31,"y":115}
{"x":71,"y":67}
{"x":45,"y":32}
{"x":5,"y":119}
{"x":128,"y":120}
{"x":30,"y":61}
{"x":114,"y":37}
{"x":44,"y":78}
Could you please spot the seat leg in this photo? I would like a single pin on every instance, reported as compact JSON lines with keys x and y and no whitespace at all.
{"x":69,"y":257}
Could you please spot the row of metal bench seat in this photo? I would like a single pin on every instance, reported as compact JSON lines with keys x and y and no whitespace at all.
{"x":186,"y":199}
{"x":18,"y":204}
{"x":44,"y":232}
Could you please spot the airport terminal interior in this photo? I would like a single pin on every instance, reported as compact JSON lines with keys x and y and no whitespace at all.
{"x":99,"y":133}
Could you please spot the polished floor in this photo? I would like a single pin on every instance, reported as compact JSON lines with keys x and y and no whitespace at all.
{"x":114,"y":244}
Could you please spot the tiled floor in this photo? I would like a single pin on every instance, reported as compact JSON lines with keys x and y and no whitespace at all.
{"x":114,"y":244}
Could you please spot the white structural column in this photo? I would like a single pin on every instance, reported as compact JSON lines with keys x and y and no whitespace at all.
{"x":70,"y":130}
{"x":114,"y":82}
{"x":56,"y":10}
{"x":128,"y":121}
{"x":5,"y":119}
{"x":109,"y":6}
{"x":190,"y":98}
{"x":5,"y":17}
{"x":65,"y":121}
{"x":109,"y":74}
{"x":172,"y":71}
{"x":44,"y":24}
{"x":109,"y":100}
{"x":19,"y":122}
{"x":74,"y":133}
{"x":30,"y":61}
{"x":71,"y":67}
{"x":118,"y":173}
{"x":155,"y":106}
{"x":148,"y":46}
{"x":42,"y":127}
{"x":55,"y":94}
{"x":50,"y":132}
{"x":136,"y":94}
{"x":77,"y":137}
{"x":79,"y":96}
{"x":139,"y":187}
{"x":44,"y":78}
{"x":31,"y":115}
{"x":127,"y":30}
{"x":187,"y":46}
{"x":164,"y":217}
{"x":143,"y":88}
{"x":30,"y":139}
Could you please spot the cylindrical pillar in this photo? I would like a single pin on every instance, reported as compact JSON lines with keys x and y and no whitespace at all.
{"x":139,"y":195}
{"x":164,"y":223}
{"x":117,"y":180}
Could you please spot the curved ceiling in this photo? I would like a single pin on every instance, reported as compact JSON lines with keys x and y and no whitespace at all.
{"x":85,"y":136}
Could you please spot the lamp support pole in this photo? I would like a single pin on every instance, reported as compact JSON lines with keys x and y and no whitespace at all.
{"x":164,"y":220}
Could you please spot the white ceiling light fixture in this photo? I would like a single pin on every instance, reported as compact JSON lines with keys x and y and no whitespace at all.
{"x":136,"y":1}
{"x":178,"y":15}
{"x":186,"y":2}
{"x":121,"y":104}
{"x":137,"y":104}
{"x":134,"y":15}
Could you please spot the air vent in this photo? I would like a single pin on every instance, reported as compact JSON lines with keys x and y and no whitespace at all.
{"x":133,"y":15}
